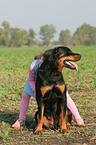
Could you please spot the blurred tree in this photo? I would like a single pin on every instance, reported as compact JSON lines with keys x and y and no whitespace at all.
{"x":55,"y":42}
{"x":65,"y":37}
{"x":85,"y":35}
{"x":1,"y":36}
{"x":93,"y":36}
{"x":6,"y":33}
{"x":78,"y":37}
{"x":17,"y":37}
{"x":47,"y":33}
{"x":31,"y":37}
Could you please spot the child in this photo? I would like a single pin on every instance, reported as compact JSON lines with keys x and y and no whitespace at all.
{"x":29,"y":91}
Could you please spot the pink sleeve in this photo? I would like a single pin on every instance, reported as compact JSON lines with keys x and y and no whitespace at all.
{"x":32,"y":77}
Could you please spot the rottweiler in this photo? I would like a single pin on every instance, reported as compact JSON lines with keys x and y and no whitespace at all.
{"x":51,"y":89}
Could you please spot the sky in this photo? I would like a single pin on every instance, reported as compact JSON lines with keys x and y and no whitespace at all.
{"x":63,"y":14}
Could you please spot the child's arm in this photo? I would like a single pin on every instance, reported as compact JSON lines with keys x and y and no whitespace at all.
{"x":32,"y":74}
{"x":32,"y":77}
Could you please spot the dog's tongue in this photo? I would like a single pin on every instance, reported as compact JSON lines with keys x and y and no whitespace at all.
{"x":73,"y":65}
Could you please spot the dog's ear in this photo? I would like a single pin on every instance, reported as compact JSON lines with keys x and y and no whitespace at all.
{"x":38,"y":56}
{"x":48,"y":54}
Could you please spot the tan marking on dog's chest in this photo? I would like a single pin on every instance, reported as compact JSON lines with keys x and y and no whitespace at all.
{"x":61,"y":87}
{"x":45,"y":89}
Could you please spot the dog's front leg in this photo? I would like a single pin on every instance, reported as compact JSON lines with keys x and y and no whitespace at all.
{"x":40,"y":119}
{"x":63,"y":117}
{"x":63,"y":114}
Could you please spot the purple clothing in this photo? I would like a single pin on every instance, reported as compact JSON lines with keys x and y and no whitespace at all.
{"x":32,"y":77}
{"x":30,"y":84}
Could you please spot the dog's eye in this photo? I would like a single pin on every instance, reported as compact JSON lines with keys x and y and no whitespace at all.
{"x":69,"y":52}
{"x":56,"y":51}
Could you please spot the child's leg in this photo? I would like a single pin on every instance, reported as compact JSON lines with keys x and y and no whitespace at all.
{"x":24,"y":106}
{"x":71,"y":105}
{"x":23,"y":109}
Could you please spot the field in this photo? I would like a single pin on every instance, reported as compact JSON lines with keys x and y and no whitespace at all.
{"x":14,"y":69}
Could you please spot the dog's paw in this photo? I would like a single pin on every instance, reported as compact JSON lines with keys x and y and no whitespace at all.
{"x":63,"y":130}
{"x":38,"y":131}
{"x":68,"y":125}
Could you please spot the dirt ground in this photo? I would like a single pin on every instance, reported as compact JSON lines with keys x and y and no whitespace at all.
{"x":75,"y":135}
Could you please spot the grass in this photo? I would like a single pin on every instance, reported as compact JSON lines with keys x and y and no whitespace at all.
{"x":14,"y":69}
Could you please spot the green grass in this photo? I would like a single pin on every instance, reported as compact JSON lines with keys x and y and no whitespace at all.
{"x":14,"y":70}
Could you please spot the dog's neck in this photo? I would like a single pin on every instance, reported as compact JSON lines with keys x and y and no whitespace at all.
{"x":50,"y":65}
{"x":49,"y":70}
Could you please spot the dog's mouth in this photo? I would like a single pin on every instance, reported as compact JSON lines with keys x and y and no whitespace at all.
{"x":70,"y":64}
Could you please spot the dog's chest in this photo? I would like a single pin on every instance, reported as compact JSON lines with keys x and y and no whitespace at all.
{"x":51,"y":91}
{"x":52,"y":78}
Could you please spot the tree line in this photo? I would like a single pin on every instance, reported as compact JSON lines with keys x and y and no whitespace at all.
{"x":16,"y":37}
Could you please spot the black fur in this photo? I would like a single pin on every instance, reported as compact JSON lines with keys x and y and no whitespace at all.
{"x":50,"y":82}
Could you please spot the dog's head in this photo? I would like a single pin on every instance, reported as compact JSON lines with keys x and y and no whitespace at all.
{"x":63,"y":57}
